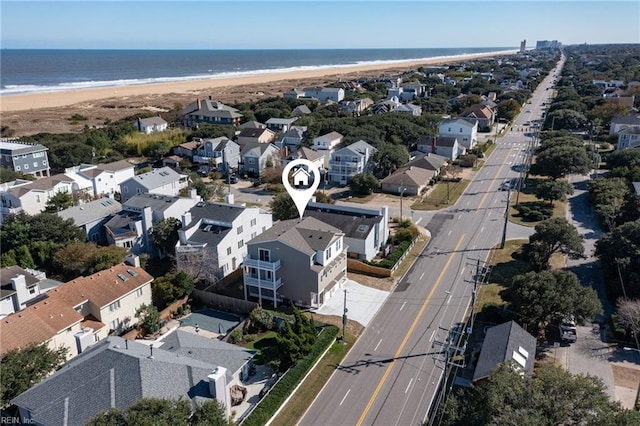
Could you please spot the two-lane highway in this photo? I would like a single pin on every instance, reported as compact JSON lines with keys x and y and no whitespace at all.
{"x":392,"y":373}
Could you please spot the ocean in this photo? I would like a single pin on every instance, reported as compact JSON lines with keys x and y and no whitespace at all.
{"x":31,"y":71}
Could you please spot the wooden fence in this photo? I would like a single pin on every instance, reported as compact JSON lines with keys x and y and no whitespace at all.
{"x":362,"y":268}
{"x":223,"y":303}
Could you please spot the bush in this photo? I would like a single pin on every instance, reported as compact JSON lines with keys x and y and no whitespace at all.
{"x":235,"y":336}
{"x":270,"y":404}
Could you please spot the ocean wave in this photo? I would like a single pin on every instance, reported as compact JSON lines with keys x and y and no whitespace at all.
{"x":18,"y":89}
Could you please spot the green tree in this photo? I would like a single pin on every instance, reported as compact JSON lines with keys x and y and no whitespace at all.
{"x":24,"y":258}
{"x":8,"y":175}
{"x":363,"y":183}
{"x":59,"y":202}
{"x":565,"y":119}
{"x":210,"y":413}
{"x":554,"y":235}
{"x":388,"y":158}
{"x":322,"y":197}
{"x":538,"y":298}
{"x":295,"y":340}
{"x":76,"y":258}
{"x":283,"y":207}
{"x":164,"y":235}
{"x":155,"y":411}
{"x":559,"y":161}
{"x":171,"y":287}
{"x":508,"y":109}
{"x":106,"y":257}
{"x":619,"y":254}
{"x":23,"y":368}
{"x":148,"y":318}
{"x":552,"y":190}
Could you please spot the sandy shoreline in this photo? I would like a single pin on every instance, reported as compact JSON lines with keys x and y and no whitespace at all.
{"x":34,"y":101}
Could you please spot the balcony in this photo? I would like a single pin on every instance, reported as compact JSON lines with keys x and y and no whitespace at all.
{"x":261,"y":264}
{"x":262,"y":283}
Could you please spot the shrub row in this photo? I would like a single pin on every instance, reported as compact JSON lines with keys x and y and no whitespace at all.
{"x":270,"y":404}
{"x":393,"y":258}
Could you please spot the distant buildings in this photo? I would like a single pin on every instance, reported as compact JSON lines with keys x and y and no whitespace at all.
{"x":150,"y":125}
{"x":23,"y":157}
{"x":548,"y":44}
{"x":523,"y":46}
{"x":210,"y":112}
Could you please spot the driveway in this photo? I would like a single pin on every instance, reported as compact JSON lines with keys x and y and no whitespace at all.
{"x":362,"y":302}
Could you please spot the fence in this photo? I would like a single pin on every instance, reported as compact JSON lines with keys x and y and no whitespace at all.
{"x":233,"y":277}
{"x":223,"y":303}
{"x":406,"y":252}
{"x":362,"y":268}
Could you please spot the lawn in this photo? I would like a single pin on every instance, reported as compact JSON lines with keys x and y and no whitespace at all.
{"x":265,"y":347}
{"x":437,"y":198}
{"x":528,"y":200}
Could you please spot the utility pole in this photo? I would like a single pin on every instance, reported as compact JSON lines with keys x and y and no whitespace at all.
{"x":506,"y":219}
{"x":344,"y":315}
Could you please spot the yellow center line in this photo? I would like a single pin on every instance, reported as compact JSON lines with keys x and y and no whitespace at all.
{"x":494,"y":179}
{"x":406,"y":337}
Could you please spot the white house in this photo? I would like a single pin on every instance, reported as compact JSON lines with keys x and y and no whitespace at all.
{"x":323,"y":94}
{"x":256,"y":157}
{"x":216,"y":234}
{"x":410,"y":109}
{"x":32,"y":197}
{"x":151,"y":125}
{"x":18,"y":288}
{"x":327,"y":142}
{"x":464,"y":130}
{"x":163,"y":181}
{"x":618,"y":124}
{"x":91,"y":217}
{"x":101,"y":179}
{"x":445,"y":146}
{"x":316,"y":157}
{"x":629,"y":138}
{"x":292,"y":138}
{"x":350,"y":161}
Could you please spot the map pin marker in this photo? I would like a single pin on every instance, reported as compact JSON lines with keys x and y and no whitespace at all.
{"x":306,"y":179}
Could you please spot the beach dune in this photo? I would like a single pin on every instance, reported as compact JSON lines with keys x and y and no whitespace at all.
{"x":34,"y":101}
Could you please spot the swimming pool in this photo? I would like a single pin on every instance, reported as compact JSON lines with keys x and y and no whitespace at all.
{"x":212,"y":320}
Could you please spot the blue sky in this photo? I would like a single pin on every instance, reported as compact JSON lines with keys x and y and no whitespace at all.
{"x":239,"y":24}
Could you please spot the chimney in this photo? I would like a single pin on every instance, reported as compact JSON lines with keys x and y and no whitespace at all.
{"x":193,"y":194}
{"x":199,"y":104}
{"x":186,"y":219}
{"x":229,"y":198}
{"x":19,"y":284}
{"x":218,"y":388}
{"x":133,"y":260}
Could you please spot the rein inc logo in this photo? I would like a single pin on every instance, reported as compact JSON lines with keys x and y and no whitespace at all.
{"x":305,"y":177}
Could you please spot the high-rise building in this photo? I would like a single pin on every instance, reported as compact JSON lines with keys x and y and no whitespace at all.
{"x":523,"y":46}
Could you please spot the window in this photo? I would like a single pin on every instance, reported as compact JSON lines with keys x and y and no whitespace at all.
{"x":265,"y":255}
{"x":253,"y":222}
{"x":239,"y":230}
{"x":79,"y":308}
{"x":240,"y":243}
{"x":125,"y":189}
{"x":253,"y":235}
{"x":44,"y":162}
{"x":115,"y":324}
{"x":26,"y":167}
{"x":17,"y":168}
{"x":37,"y":198}
{"x":139,"y":292}
{"x":114,"y":306}
{"x":228,"y":251}
{"x":35,"y":164}
{"x":32,"y":290}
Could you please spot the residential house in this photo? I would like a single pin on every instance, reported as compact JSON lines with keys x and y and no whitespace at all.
{"x":445,"y":146}
{"x":280,"y":124}
{"x":629,"y":138}
{"x":163,"y":181}
{"x":625,"y":101}
{"x":357,"y":107}
{"x":349,"y":161}
{"x":366,"y":231}
{"x":503,"y":343}
{"x":187,"y":149}
{"x":429,"y":161}
{"x":18,"y":288}
{"x":249,"y":135}
{"x":300,"y":110}
{"x":24,"y":157}
{"x":387,"y":106}
{"x":482,"y":114}
{"x":302,"y":261}
{"x":292,"y":138}
{"x":324,"y":94}
{"x":316,"y":157}
{"x":410,"y":109}
{"x":414,"y":88}
{"x":32,"y":197}
{"x":80,"y":312}
{"x":211,"y":112}
{"x":92,"y":216}
{"x":465,"y":130}
{"x":220,"y":153}
{"x":255,"y":157}
{"x":131,"y":225}
{"x":172,"y":161}
{"x":294,"y":94}
{"x":116,"y":373}
{"x":218,"y":234}
{"x":253,"y":125}
{"x":410,"y":180}
{"x":327,"y":142}
{"x":150,"y":125}
{"x":99,"y":180}
{"x":619,"y":124}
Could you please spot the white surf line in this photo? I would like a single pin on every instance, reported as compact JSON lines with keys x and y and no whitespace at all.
{"x":345,"y":396}
{"x":376,"y":348}
{"x":402,"y":307}
{"x":421,"y":276}
{"x":408,"y":386}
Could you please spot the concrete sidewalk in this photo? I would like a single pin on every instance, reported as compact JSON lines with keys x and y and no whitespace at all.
{"x":362,"y":302}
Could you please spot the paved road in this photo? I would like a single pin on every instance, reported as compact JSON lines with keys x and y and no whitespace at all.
{"x":391,"y":375}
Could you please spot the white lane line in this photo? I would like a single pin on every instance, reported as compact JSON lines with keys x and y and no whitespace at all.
{"x":345,"y":396}
{"x":376,"y":348}
{"x":418,"y":221}
{"x":421,"y":276}
{"x":432,"y":334}
{"x":408,"y":386}
{"x":462,"y":270}
{"x":448,"y":233}
{"x":460,"y":216}
{"x":449,"y":299}
{"x":468,"y":202}
{"x":402,"y":307}
{"x":482,"y":229}
{"x":473,"y":248}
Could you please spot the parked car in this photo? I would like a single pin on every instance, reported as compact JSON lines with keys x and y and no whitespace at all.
{"x":506,"y":185}
{"x":203,"y":170}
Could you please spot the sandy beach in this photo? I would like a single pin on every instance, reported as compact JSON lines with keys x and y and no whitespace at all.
{"x":18,"y":110}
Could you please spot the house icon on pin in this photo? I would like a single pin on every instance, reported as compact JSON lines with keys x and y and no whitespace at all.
{"x":301,"y":177}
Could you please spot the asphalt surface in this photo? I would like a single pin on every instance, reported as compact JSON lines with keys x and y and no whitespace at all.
{"x":391,"y":375}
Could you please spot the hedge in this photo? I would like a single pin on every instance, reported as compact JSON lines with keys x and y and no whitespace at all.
{"x":270,"y":404}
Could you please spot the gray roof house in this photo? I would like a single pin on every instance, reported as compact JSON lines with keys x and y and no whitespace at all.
{"x":18,"y":287}
{"x":624,"y":122}
{"x":280,"y":124}
{"x":24,"y":157}
{"x":445,"y":146}
{"x":428,"y":161}
{"x":365,"y":230}
{"x":301,"y":261}
{"x":292,"y":137}
{"x":221,"y":153}
{"x":256,"y":156}
{"x":253,"y":125}
{"x":300,"y":110}
{"x":116,"y":373}
{"x":349,"y":161}
{"x":409,"y":180}
{"x":163,"y":181}
{"x":150,"y":125}
{"x":212,"y":112}
{"x":502,"y":343}
{"x":91,"y":217}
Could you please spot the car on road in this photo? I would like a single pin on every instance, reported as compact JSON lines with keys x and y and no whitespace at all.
{"x":233,"y":179}
{"x":203,"y":170}
{"x":505,"y":186}
{"x":528,"y":110}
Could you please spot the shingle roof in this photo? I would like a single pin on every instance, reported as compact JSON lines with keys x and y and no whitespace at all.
{"x":409,"y":176}
{"x":252,"y":125}
{"x":282,"y":120}
{"x":502,"y":343}
{"x":478,"y":110}
{"x":307,"y":235}
{"x":258,"y":148}
{"x":16,"y":147}
{"x":156,"y":178}
{"x":357,"y":148}
{"x":91,"y":211}
{"x":249,"y":132}
{"x":309,"y":154}
{"x":627,"y":119}
{"x":150,"y":121}
{"x":428,"y":161}
{"x":43,"y":184}
{"x":157,"y":202}
{"x":9,"y":272}
{"x":353,"y":225}
{"x":86,"y":384}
